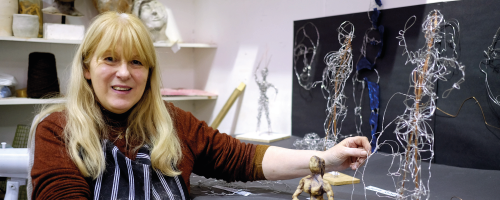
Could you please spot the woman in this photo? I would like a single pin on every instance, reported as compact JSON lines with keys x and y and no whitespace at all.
{"x":115,"y":137}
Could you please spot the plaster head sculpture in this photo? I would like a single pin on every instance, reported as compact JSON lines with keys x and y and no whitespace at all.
{"x":154,"y":15}
{"x":62,"y":7}
{"x":124,"y":6}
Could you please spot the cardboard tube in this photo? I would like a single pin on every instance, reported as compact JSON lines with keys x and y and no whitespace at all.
{"x":229,"y":103}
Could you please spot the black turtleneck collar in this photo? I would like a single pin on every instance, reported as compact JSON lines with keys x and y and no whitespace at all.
{"x":113,"y":119}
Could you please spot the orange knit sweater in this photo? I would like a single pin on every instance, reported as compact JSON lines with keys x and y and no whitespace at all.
{"x":206,"y":152}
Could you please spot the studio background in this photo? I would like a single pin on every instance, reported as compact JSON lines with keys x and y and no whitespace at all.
{"x":243,"y":31}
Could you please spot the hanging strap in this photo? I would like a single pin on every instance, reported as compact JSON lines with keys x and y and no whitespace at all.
{"x":374,"y":94}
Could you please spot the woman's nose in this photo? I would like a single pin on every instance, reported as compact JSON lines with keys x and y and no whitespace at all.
{"x":123,"y":71}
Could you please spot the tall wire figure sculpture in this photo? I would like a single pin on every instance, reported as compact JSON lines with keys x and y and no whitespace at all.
{"x":491,"y":54}
{"x":264,"y":99}
{"x":339,"y":66}
{"x":413,"y":132}
{"x":414,"y":135}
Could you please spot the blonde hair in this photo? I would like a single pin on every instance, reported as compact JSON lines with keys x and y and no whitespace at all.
{"x":149,"y":121}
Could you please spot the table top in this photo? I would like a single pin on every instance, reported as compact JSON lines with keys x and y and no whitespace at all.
{"x":445,"y":182}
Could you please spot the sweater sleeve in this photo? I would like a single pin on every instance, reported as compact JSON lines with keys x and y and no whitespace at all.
{"x":54,"y":174}
{"x":213,"y":154}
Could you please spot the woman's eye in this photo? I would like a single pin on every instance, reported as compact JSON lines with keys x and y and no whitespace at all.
{"x":109,"y":59}
{"x":136,"y":62}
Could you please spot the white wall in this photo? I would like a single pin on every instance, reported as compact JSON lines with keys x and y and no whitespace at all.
{"x":244,"y":30}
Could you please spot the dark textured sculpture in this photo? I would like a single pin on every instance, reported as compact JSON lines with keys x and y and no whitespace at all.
{"x":314,"y":183}
{"x":62,"y":7}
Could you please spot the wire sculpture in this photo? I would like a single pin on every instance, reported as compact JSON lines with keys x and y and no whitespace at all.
{"x":339,"y":66}
{"x":305,"y":49}
{"x":312,"y":141}
{"x":263,"y":99}
{"x":211,"y":186}
{"x":491,"y":54}
{"x":414,"y":135}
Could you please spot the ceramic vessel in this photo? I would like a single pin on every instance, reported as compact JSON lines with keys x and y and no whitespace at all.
{"x":25,"y":25}
{"x":7,"y":9}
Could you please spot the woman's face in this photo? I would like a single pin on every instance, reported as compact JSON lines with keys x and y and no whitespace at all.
{"x":118,"y":82}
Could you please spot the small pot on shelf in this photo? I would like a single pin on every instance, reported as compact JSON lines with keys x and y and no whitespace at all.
{"x":25,"y":25}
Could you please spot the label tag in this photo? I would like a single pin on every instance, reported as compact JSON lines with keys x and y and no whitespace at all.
{"x":386,"y":192}
{"x":176,"y":47}
{"x":236,"y":191}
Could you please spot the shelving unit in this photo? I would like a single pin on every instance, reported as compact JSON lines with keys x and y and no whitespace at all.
{"x":159,"y":44}
{"x":29,"y":101}
{"x":179,"y":64}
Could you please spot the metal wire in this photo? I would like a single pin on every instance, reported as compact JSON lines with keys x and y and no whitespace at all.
{"x":264,"y":99}
{"x":339,"y":66}
{"x":305,"y":49}
{"x":414,"y":135}
{"x":492,"y":54}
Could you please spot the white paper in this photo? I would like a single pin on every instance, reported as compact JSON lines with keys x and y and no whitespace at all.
{"x":378,"y":190}
{"x":243,"y":193}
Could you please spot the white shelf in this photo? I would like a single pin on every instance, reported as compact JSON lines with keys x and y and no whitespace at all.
{"x":40,"y":40}
{"x":187,"y":45}
{"x":52,"y":41}
{"x":188,"y":98}
{"x":28,"y":101}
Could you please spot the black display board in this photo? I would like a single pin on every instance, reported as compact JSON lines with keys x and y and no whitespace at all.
{"x":464,"y":141}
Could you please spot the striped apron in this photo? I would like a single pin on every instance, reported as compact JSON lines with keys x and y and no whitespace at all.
{"x":134,"y":179}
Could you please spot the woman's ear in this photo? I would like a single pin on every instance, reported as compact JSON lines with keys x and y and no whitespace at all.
{"x":86,"y":74}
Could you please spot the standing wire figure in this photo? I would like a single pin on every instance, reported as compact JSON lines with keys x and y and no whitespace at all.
{"x":413,"y":130}
{"x":339,"y":67}
{"x":263,"y":99}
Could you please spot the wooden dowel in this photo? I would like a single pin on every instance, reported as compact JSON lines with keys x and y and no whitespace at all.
{"x":229,"y":103}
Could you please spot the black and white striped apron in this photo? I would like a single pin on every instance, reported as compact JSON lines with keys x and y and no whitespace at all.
{"x":128,"y":179}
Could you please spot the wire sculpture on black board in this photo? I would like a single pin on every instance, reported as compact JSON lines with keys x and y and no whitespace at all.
{"x":305,"y":49}
{"x":339,"y":66}
{"x":414,"y":135}
{"x":492,"y":54}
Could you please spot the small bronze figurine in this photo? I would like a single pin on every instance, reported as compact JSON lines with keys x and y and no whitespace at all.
{"x":314,"y":183}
